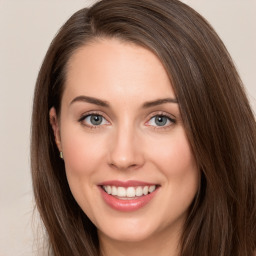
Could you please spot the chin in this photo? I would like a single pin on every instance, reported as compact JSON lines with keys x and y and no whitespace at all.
{"x":130,"y":229}
{"x":133,"y":236}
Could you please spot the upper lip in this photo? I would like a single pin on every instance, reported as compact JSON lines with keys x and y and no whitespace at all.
{"x":125,"y":184}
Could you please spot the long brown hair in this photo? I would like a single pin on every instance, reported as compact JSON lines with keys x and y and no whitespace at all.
{"x":217,"y":118}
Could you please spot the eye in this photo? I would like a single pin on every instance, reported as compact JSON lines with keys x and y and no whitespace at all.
{"x":93,"y":120}
{"x":160,"y":121}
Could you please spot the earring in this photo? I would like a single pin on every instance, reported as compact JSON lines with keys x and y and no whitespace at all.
{"x":61,"y":155}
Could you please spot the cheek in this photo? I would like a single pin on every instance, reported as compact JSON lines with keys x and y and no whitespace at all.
{"x":175,"y":160}
{"x":82,"y":152}
{"x":83,"y":156}
{"x":173,"y":154}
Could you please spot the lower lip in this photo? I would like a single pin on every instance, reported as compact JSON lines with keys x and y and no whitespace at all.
{"x":129,"y":204}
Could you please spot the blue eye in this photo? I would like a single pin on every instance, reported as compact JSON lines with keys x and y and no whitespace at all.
{"x":94,"y":120}
{"x":160,"y":120}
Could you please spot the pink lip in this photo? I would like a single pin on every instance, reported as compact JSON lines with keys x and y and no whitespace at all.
{"x":129,"y":205}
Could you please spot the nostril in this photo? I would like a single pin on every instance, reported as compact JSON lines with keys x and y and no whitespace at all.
{"x":123,"y":166}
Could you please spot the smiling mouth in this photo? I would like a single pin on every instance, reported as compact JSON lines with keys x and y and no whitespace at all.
{"x":129,"y":193}
{"x":127,"y":196}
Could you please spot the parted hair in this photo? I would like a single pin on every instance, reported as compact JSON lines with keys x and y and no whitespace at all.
{"x":217,"y":118}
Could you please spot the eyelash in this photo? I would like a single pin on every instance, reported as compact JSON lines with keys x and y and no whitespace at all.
{"x":170,"y":118}
{"x":84,"y":116}
{"x":154,"y":115}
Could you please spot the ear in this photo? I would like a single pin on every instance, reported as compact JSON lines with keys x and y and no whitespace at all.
{"x":55,"y":126}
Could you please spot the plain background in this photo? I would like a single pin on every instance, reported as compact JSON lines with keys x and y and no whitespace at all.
{"x":26,"y":30}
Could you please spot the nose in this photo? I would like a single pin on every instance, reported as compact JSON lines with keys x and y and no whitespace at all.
{"x":126,"y":151}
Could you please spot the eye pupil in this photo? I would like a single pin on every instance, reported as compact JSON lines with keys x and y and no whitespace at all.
{"x":96,"y":119}
{"x":161,"y":120}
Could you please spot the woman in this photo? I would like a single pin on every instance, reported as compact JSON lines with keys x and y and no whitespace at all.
{"x":156,"y":138}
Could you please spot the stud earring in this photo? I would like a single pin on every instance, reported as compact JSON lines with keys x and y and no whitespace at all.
{"x":61,"y":155}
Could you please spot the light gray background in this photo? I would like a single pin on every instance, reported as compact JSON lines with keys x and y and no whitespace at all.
{"x":26,"y":29}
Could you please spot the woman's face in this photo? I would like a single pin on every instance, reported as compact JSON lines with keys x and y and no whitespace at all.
{"x":128,"y":161}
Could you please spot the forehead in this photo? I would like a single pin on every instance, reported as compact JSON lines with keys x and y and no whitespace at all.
{"x":110,"y":68}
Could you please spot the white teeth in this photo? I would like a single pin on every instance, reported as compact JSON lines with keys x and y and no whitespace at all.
{"x":114,"y":191}
{"x":145,"y":190}
{"x":121,"y":192}
{"x":108,"y":189}
{"x":130,"y":191}
{"x":151,"y":188}
{"x":139,"y":191}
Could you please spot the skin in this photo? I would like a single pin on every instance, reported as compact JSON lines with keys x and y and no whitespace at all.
{"x":128,"y":145}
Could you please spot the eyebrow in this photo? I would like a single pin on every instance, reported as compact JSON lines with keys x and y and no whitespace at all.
{"x":103,"y":103}
{"x":159,"y":102}
{"x":90,"y":100}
